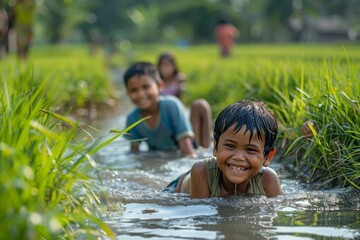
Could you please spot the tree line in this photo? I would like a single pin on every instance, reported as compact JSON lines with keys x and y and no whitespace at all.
{"x":192,"y":21}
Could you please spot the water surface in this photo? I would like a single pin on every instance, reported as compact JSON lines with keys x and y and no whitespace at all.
{"x":140,"y":209}
{"x":135,"y":184}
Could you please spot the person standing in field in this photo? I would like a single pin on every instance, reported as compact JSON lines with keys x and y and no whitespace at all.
{"x":24,"y":19}
{"x":174,"y":85}
{"x":3,"y":29}
{"x":10,"y":38}
{"x":225,"y":34}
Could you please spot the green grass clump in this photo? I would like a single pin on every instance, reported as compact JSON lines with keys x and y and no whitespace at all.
{"x":332,"y":157}
{"x":45,"y":188}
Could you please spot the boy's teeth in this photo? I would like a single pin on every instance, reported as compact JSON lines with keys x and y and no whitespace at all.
{"x":238,"y":168}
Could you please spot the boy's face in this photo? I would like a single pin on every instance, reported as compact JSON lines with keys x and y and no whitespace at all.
{"x":238,"y":158}
{"x":144,"y":92}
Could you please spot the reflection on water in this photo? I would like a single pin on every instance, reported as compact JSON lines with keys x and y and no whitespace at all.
{"x":329,"y":232}
{"x":160,"y":212}
{"x":135,"y":182}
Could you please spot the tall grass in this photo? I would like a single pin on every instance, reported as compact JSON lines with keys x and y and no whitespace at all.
{"x":78,"y":76}
{"x":46,"y":191}
{"x":299,"y":82}
{"x":332,"y":157}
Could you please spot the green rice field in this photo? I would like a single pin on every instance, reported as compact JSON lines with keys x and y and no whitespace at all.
{"x":47,"y":170}
{"x":299,"y":82}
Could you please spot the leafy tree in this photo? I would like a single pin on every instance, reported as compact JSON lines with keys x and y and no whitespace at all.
{"x":195,"y":20}
{"x":58,"y":17}
{"x":163,"y":20}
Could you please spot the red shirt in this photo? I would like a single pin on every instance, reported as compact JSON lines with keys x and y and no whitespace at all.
{"x":225,"y":34}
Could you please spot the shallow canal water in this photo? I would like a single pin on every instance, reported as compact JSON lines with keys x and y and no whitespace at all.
{"x":140,"y":209}
{"x":134,"y":183}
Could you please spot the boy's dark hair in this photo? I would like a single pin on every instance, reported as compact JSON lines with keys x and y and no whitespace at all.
{"x":255,"y":115}
{"x":140,"y":69}
{"x":171,"y":58}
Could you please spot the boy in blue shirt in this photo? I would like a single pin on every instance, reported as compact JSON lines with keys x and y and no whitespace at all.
{"x":167,"y":128}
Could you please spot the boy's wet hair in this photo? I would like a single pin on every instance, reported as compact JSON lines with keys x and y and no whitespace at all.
{"x":141,"y":69}
{"x":255,"y":115}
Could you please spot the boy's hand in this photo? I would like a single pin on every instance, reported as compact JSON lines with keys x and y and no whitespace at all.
{"x":186,"y":147}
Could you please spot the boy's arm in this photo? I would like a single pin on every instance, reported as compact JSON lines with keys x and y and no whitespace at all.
{"x":271,"y":183}
{"x":180,"y":126}
{"x":199,"y":183}
{"x":133,"y":134}
{"x":186,"y":147}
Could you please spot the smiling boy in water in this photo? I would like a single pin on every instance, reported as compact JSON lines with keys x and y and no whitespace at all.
{"x":167,"y":128}
{"x":244,"y":139}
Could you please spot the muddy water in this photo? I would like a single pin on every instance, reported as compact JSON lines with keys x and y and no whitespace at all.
{"x":140,"y":209}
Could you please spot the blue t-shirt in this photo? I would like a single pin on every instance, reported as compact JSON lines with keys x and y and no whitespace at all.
{"x":172,"y":125}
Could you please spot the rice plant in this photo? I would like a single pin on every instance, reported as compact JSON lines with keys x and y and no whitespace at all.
{"x":331,"y":157}
{"x":78,"y":76}
{"x":46,"y":190}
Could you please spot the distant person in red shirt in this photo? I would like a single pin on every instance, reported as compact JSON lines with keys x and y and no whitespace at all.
{"x":225,"y":34}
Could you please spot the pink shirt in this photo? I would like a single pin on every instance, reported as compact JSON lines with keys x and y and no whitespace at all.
{"x":175,"y":87}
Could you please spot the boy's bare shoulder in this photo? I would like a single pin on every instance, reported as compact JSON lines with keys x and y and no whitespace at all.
{"x":199,"y":167}
{"x":269,"y":171}
{"x":270,"y":174}
{"x":199,"y":181}
{"x":198,"y":171}
{"x":271,"y":182}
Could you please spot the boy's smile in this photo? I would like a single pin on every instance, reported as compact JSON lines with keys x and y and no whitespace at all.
{"x":237,"y":170}
{"x":238,"y":158}
{"x":144,"y":92}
